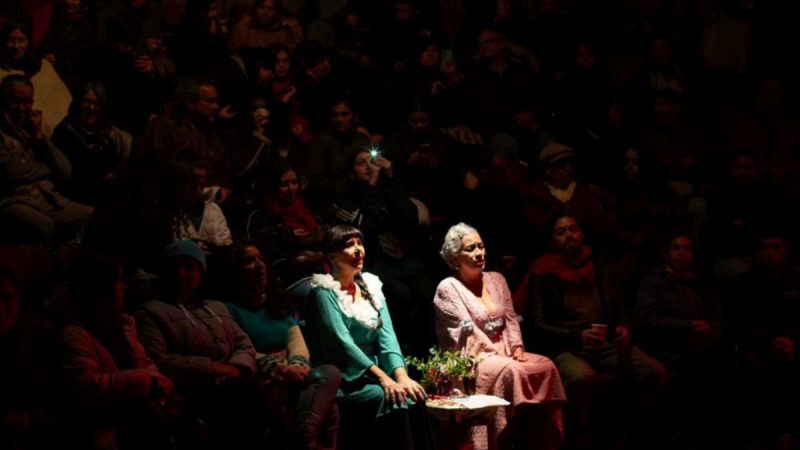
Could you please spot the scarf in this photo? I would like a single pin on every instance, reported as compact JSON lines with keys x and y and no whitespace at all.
{"x":573,"y":270}
{"x":295,"y":215}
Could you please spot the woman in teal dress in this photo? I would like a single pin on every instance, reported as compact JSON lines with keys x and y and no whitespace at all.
{"x":348,"y":325}
{"x":305,"y":396}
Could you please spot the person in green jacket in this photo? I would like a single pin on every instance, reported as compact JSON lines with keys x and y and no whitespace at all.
{"x":348,"y":325}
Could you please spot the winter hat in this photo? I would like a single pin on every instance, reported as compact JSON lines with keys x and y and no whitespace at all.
{"x":554,"y":152}
{"x":184,"y":248}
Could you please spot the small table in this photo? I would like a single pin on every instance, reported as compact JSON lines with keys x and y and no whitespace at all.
{"x":455,"y":416}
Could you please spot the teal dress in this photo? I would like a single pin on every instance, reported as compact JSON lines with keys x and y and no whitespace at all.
{"x":353,"y":338}
{"x":266,"y":331}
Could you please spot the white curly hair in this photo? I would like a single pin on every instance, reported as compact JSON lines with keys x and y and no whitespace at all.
{"x":452,"y":243}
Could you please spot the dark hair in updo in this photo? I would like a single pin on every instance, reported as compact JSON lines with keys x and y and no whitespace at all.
{"x":335,"y":241}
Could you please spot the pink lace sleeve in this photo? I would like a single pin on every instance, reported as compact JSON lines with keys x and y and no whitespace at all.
{"x":455,"y":329}
{"x":513,"y":334}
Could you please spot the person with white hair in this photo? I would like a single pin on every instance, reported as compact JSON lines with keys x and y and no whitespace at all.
{"x":474,"y":315}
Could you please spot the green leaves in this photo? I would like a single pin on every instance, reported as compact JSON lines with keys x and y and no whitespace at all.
{"x":444,"y":364}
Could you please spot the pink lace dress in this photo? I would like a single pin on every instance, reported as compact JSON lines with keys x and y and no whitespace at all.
{"x":463,"y":323}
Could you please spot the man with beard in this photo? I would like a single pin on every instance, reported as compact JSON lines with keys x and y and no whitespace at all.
{"x":330,"y":150}
{"x":572,"y":316}
{"x":766,"y":303}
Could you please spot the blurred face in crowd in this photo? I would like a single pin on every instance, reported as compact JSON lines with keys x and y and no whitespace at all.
{"x":72,"y":9}
{"x":560,"y":173}
{"x":585,"y":59}
{"x":351,"y":258}
{"x":18,"y":106}
{"x":265,"y":75}
{"x":615,"y":114}
{"x":471,"y":257}
{"x":773,"y":253}
{"x":204,"y":110}
{"x":16,"y":45}
{"x":90,"y":110}
{"x":253,"y":270}
{"x":184,"y":277}
{"x":661,"y":51}
{"x":503,"y":9}
{"x":320,"y":71}
{"x":632,"y":165}
{"x":9,"y":305}
{"x":282,"y":64}
{"x":343,"y":118}
{"x":404,"y":12}
{"x":430,"y":56}
{"x":679,"y":255}
{"x":419,"y":121}
{"x":362,"y":169}
{"x":490,"y":44}
{"x":567,"y":237}
{"x":261,"y":115}
{"x":743,"y":171}
{"x":266,"y":12}
{"x":351,"y":20}
{"x":200,"y":175}
{"x":288,"y":187}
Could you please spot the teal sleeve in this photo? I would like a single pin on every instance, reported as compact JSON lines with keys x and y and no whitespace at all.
{"x":391,"y":357}
{"x":234,"y":312}
{"x":329,"y":337}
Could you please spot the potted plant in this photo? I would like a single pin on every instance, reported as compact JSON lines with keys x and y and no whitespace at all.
{"x":443,"y":368}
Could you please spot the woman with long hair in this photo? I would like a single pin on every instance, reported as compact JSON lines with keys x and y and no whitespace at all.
{"x":348,"y":325}
{"x":307,"y":393}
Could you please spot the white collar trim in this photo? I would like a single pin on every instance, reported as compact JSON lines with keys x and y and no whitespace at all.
{"x":361,"y":312}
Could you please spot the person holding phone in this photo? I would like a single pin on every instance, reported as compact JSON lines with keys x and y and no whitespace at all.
{"x":29,"y":164}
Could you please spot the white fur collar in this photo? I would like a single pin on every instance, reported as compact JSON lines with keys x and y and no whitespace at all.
{"x":361,"y":312}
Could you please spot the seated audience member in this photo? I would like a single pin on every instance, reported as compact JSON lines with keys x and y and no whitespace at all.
{"x":500,"y":88}
{"x":97,"y":150}
{"x":559,"y":189}
{"x":308,"y":393}
{"x":189,"y":131}
{"x":767,"y":329}
{"x":424,"y":157}
{"x":23,"y":380}
{"x":377,"y":202}
{"x":268,"y":25}
{"x":137,"y":69}
{"x":201,"y":219}
{"x":572,"y":315}
{"x":196,"y":343}
{"x":328,"y":151}
{"x":51,"y":95}
{"x":29,"y":167}
{"x":475,"y":315}
{"x":285,"y":224}
{"x":743,"y":203}
{"x":348,"y":325}
{"x":110,"y":388}
{"x":678,"y":315}
{"x":71,"y":41}
{"x":679,"y":321}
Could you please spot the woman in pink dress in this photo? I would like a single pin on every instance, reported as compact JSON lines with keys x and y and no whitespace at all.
{"x":474,"y":314}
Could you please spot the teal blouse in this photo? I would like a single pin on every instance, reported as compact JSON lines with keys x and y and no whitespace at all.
{"x":349,"y":339}
{"x":266,"y":332}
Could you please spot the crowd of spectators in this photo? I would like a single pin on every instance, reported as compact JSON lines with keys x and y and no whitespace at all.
{"x":181,"y":162}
